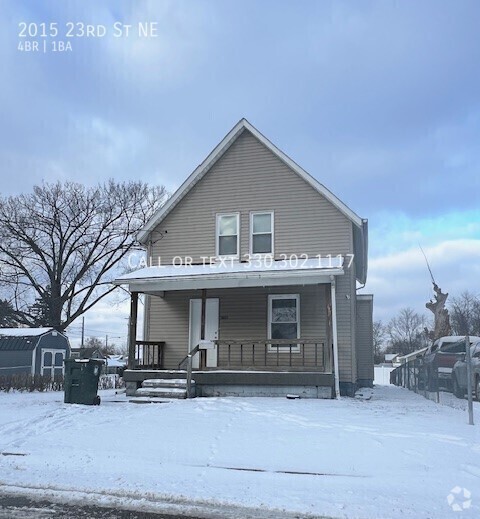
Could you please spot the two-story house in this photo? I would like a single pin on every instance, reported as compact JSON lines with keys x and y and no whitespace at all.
{"x":253,"y":268}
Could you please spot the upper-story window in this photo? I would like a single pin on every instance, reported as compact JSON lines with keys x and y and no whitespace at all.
{"x":227,"y":234}
{"x":261,"y":232}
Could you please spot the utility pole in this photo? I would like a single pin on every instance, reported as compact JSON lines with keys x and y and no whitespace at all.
{"x":468,"y":358}
{"x":83,"y":331}
{"x":106,"y":355}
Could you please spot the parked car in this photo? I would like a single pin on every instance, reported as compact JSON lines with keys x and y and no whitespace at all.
{"x":459,"y":374}
{"x":439,"y":359}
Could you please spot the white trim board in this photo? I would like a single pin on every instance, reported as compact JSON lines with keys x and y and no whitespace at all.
{"x":164,"y":278}
{"x":155,"y":286}
{"x":217,"y":152}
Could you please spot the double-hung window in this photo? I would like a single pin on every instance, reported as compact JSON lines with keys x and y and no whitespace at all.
{"x":261,"y":232}
{"x":284,"y":321}
{"x":227,"y":235}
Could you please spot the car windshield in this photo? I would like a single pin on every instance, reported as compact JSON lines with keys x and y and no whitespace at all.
{"x":456,"y":347}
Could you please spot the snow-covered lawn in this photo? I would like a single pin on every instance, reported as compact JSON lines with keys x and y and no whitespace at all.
{"x":396,"y":455}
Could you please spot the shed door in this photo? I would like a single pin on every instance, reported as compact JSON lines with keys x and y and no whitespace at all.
{"x":52,"y":362}
{"x":211,"y":328}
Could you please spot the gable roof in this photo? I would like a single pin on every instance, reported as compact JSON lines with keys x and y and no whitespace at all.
{"x":218,"y":151}
{"x":8,"y":342}
{"x":23,"y":338}
{"x":24,"y":332}
{"x":92,"y":352}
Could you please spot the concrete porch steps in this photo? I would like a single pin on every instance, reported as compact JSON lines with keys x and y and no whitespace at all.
{"x":166,"y":382}
{"x":156,"y":388}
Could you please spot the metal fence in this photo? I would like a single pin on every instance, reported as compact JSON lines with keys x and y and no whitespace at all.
{"x":416,"y":376}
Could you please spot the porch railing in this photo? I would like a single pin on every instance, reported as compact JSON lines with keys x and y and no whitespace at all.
{"x":187,"y":362}
{"x":274,"y":354}
{"x":149,"y":354}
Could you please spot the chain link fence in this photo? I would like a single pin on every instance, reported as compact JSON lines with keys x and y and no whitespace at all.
{"x":420,"y":377}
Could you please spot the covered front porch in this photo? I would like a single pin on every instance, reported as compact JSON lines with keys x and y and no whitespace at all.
{"x":239,"y":330}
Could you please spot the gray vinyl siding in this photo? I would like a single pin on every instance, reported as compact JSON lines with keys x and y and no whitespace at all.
{"x":345,"y":296}
{"x":243,"y":315}
{"x":365,"y":339}
{"x":249,"y":177}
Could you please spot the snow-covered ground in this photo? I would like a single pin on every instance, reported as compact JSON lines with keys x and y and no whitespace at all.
{"x":394,"y":455}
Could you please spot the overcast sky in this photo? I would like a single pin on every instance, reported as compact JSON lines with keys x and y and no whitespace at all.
{"x":380,"y":101}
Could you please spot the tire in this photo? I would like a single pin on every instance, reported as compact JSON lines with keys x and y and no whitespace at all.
{"x":477,"y":388}
{"x":96,"y":400}
{"x":457,"y":391}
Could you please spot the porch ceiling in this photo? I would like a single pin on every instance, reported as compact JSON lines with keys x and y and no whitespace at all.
{"x":233,"y":274}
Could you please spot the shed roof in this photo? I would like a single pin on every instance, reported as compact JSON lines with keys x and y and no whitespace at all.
{"x":233,"y":274}
{"x":17,"y":343}
{"x":24,"y":332}
{"x":22,"y":338}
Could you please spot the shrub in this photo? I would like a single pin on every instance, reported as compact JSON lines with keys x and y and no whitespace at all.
{"x":28,"y":382}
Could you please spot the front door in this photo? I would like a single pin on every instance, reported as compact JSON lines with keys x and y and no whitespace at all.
{"x":211,"y":328}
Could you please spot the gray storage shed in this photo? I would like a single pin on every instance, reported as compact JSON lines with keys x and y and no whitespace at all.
{"x":37,"y":351}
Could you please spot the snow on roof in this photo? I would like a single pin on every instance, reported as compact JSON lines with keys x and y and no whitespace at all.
{"x":115,"y":362}
{"x":458,"y":338}
{"x":413,"y":354}
{"x":24,"y":332}
{"x":390,"y":356}
{"x":226,"y":268}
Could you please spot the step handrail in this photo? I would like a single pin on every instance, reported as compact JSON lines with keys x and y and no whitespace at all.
{"x":188,"y":359}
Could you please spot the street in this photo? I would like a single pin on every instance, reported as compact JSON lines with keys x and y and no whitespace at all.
{"x":20,"y":507}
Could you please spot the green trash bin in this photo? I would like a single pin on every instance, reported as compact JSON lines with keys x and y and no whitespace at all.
{"x":81,"y":381}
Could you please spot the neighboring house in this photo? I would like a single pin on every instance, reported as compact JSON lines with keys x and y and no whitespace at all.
{"x":87,"y":353}
{"x":392,"y":358}
{"x":405,"y":359}
{"x":115,"y":364}
{"x":36,"y":351}
{"x":256,"y":257}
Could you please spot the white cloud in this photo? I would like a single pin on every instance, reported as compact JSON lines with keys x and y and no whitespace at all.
{"x":402,"y":279}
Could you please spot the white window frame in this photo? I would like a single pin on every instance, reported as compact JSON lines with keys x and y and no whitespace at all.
{"x":285,"y":349}
{"x":217,"y":235}
{"x":52,"y":367}
{"x":272,"y":221}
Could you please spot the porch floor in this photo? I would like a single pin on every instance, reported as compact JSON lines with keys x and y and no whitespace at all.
{"x":221,"y":382}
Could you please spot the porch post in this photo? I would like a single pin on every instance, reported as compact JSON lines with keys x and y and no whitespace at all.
{"x":202,"y":318}
{"x":132,"y":329}
{"x":335,"y":338}
{"x":328,"y":313}
{"x":203,"y":353}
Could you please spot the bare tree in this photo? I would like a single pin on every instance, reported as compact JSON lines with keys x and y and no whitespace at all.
{"x":61,"y":245}
{"x":379,"y":336}
{"x":441,"y":322}
{"x":94,"y":343}
{"x":8,"y":316}
{"x":406,"y":332}
{"x":465,"y":314}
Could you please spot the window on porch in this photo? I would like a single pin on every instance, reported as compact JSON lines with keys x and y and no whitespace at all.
{"x":284,"y":320}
